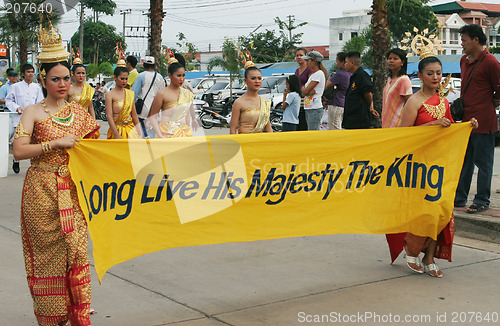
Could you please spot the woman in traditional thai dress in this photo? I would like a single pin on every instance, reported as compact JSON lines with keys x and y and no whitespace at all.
{"x":175,"y":104}
{"x":53,"y":227}
{"x":80,"y":92}
{"x":250,"y":113}
{"x":120,"y":108}
{"x":427,"y":107}
{"x":397,"y":90}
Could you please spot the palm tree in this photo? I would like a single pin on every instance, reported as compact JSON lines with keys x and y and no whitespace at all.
{"x":156,"y":18}
{"x":380,"y":42}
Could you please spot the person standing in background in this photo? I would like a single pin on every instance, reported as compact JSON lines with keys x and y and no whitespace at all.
{"x":358,"y":109}
{"x":146,"y":86}
{"x":303,"y":73}
{"x":131,"y":63}
{"x":20,"y":96}
{"x":480,"y":95}
{"x":336,"y":105}
{"x":4,"y":90}
{"x":397,"y":90}
{"x":313,"y":90}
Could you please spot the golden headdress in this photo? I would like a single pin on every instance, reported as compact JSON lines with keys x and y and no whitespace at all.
{"x":120,"y":55}
{"x":77,"y":60}
{"x":170,"y":56}
{"x":420,"y":44}
{"x":51,"y":44}
{"x":246,"y":59}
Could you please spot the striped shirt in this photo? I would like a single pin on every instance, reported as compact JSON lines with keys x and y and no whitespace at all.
{"x":393,"y":100}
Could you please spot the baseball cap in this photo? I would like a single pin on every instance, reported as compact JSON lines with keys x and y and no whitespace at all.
{"x":149,"y":60}
{"x":314,"y":55}
{"x":12,"y":73}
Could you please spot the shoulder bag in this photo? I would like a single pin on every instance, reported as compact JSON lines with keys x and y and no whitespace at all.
{"x":139,"y":103}
{"x":457,"y":107}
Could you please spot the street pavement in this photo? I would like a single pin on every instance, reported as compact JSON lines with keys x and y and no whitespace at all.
{"x":332,"y":279}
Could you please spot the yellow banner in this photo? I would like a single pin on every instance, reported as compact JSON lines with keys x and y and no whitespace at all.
{"x":141,"y":196}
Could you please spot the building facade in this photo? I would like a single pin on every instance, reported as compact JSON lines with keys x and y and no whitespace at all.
{"x":342,"y":29}
{"x":455,"y":14}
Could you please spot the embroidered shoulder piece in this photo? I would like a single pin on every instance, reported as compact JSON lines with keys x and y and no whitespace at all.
{"x":21,"y":131}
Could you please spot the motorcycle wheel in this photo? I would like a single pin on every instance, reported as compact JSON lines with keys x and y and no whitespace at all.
{"x":104,"y":117}
{"x":276,"y":123}
{"x":204,"y":123}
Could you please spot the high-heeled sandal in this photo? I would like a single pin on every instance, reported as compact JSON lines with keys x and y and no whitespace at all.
{"x":433,"y":268}
{"x":413,"y":260}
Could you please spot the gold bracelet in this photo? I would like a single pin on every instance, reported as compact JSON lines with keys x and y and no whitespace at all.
{"x":46,"y":147}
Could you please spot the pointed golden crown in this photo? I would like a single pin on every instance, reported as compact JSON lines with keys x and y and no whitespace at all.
{"x":77,"y":60}
{"x":420,"y":44}
{"x":246,"y":58}
{"x":120,"y":55}
{"x":51,"y":44}
{"x":169,"y":55}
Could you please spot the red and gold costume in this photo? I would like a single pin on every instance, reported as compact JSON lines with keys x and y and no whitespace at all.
{"x":124,"y":123}
{"x":53,"y":227}
{"x":434,"y":108}
{"x":175,"y":116}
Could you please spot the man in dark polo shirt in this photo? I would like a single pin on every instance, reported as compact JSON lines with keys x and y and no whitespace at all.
{"x":358,"y":109}
{"x":480,"y":98}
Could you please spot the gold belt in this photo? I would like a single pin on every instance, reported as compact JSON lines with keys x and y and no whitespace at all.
{"x":61,"y":169}
{"x":123,"y":123}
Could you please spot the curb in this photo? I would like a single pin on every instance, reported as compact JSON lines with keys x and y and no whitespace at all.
{"x":478,"y":226}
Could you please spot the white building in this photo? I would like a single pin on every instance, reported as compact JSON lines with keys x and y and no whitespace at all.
{"x":342,"y":29}
{"x":448,"y":33}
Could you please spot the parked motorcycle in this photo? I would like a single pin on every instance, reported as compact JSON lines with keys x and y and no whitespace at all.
{"x":218,"y":116}
{"x":276,"y":118}
{"x":99,"y":108}
{"x":209,"y":118}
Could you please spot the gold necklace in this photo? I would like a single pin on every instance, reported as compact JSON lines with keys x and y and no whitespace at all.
{"x":436,"y":111}
{"x":63,"y":122}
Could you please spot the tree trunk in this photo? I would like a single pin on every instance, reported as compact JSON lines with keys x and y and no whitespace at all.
{"x":82,"y":14}
{"x":156,"y":18}
{"x":23,"y":49}
{"x":380,"y":42}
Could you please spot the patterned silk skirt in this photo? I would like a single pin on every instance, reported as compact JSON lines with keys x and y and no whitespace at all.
{"x":57,"y":263}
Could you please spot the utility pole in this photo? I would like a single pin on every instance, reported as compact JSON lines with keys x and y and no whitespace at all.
{"x":124,"y":12}
{"x":81,"y":28}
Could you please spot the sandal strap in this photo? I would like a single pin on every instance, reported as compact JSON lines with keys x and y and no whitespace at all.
{"x":433,"y":267}
{"x":413,"y":260}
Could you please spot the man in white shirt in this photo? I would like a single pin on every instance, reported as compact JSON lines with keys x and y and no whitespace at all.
{"x":146,"y":79}
{"x":21,"y":95}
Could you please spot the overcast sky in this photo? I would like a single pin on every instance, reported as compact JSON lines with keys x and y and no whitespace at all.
{"x":207,"y":22}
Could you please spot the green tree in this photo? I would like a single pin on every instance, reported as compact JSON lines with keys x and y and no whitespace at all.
{"x":286,"y":32}
{"x":106,"y":7}
{"x":104,"y":68}
{"x":99,"y":43}
{"x":187,"y":49}
{"x":403,"y":15}
{"x":268,"y":47}
{"x":362,"y":44}
{"x":231,"y":61}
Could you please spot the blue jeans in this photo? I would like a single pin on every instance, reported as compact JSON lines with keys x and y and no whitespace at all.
{"x":313,"y":118}
{"x":480,"y":152}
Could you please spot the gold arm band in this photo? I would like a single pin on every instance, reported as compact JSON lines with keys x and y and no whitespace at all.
{"x":20,"y":131}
